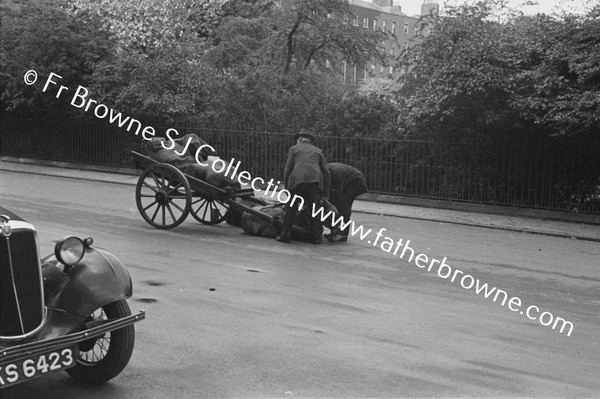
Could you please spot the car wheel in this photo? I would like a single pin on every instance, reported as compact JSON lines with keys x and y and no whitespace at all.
{"x":104,"y":357}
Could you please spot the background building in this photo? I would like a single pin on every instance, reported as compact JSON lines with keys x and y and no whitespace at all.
{"x":385,"y":15}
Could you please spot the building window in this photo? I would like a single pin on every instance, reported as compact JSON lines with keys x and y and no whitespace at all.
{"x":355,"y":20}
{"x":393,"y":28}
{"x":360,"y":77}
{"x":383,"y":25}
{"x":405,"y":28}
{"x":365,"y":22}
{"x":374,"y":23}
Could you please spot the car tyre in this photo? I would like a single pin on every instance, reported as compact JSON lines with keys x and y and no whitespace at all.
{"x":103,"y":358}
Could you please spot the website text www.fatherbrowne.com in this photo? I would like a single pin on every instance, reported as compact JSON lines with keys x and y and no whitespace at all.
{"x":443,"y":270}
{"x":81,"y":100}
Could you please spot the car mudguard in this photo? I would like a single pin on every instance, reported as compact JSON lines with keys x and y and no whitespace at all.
{"x":96,"y":280}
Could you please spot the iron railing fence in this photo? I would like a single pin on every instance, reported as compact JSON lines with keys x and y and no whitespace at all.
{"x":545,"y":174}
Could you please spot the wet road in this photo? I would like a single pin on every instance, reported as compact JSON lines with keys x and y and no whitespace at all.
{"x":230,"y":315}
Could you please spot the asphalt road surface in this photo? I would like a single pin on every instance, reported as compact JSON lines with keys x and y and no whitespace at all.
{"x":230,"y":315}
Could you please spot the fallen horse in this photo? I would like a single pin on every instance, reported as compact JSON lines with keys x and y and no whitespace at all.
{"x":254,"y":225}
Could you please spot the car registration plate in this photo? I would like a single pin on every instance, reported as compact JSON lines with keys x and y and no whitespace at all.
{"x":25,"y":369}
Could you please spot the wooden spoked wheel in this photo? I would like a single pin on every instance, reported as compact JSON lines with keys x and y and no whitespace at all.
{"x":208,"y":210}
{"x":163,"y":196}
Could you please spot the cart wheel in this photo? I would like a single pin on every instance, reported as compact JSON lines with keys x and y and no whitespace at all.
{"x":209,"y":211}
{"x":163,"y":196}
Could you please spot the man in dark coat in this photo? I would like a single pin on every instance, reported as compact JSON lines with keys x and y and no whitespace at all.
{"x":347,"y":183}
{"x":307,"y":176}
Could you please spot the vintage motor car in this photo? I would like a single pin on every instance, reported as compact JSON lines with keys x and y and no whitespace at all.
{"x":67,"y":311}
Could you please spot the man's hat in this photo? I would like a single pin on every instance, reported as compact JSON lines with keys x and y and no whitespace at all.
{"x":309,"y":134}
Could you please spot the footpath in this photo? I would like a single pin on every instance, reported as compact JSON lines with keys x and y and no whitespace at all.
{"x":551,"y":223}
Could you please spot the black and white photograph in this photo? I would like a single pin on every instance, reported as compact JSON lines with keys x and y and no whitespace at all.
{"x":299,"y":199}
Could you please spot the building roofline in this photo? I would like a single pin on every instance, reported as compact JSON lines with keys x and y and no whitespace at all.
{"x":374,"y":7}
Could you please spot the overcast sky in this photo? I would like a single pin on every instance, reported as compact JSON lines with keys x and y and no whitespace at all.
{"x":412,"y":7}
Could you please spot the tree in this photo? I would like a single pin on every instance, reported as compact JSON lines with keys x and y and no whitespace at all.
{"x":282,"y":62}
{"x":154,"y":71}
{"x":557,"y":85}
{"x":489,"y":75}
{"x":42,"y":36}
{"x":457,"y":84}
{"x":143,"y":26}
{"x":488,"y":70}
{"x":364,"y":114}
{"x":298,"y":35}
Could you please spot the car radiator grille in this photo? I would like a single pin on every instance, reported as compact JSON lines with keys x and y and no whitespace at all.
{"x":21,"y":297}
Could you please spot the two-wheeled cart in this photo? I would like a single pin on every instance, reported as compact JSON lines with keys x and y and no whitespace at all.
{"x":165,"y":196}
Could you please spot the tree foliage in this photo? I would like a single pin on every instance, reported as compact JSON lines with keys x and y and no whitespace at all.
{"x":145,"y":26}
{"x":488,"y":71}
{"x":361,"y":114}
{"x":557,"y":84}
{"x":490,"y":75}
{"x":482,"y":71}
{"x":250,"y":62}
{"x":155,"y":69}
{"x":280,"y":64}
{"x":298,"y":35}
{"x":41,"y":36}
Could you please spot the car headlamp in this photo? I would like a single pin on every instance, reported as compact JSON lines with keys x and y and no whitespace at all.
{"x":69,"y":250}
